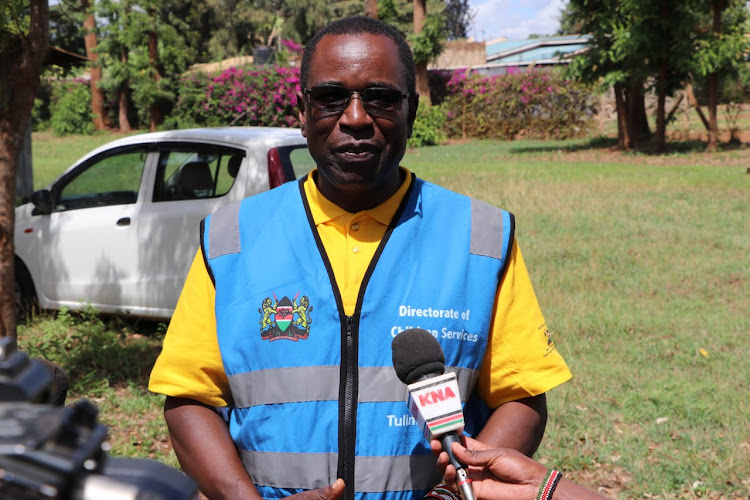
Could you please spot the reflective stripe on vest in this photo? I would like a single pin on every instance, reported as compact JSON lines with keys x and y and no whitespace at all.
{"x":305,"y":470}
{"x":320,"y":383}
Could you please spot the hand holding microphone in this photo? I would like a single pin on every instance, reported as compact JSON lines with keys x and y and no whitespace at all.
{"x":434,"y":399}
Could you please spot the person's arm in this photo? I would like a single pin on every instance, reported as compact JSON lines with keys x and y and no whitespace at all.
{"x":206,"y":452}
{"x":517,"y":424}
{"x":506,"y":474}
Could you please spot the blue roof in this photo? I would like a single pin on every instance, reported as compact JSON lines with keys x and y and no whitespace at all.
{"x":536,"y":49}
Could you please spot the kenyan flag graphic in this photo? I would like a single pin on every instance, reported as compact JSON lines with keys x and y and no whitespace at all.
{"x":284,"y":314}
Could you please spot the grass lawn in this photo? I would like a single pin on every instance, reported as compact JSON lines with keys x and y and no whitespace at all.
{"x":640,"y":263}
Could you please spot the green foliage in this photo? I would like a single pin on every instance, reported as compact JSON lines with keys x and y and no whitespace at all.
{"x":66,"y":27}
{"x":400,"y":13}
{"x":458,"y":18}
{"x":125,"y":32}
{"x":534,"y":103}
{"x":40,"y":113}
{"x":70,"y":108}
{"x":429,"y":127}
{"x":387,"y":11}
{"x":720,"y":52}
{"x":14,"y":23}
{"x":428,"y":44}
{"x":89,"y":348}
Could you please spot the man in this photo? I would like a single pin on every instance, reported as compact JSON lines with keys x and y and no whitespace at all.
{"x":366,"y":250}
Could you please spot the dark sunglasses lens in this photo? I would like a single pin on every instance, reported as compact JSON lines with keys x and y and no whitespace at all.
{"x":329,"y":98}
{"x":382,"y":99}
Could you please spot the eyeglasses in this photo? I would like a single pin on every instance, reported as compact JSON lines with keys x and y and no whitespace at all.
{"x":334,"y":98}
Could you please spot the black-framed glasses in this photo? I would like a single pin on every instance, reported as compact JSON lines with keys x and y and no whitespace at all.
{"x":332,"y":99}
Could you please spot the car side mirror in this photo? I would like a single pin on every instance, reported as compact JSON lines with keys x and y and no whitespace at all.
{"x":43,"y":202}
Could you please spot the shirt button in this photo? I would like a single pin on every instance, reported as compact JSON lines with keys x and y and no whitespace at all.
{"x":355,"y":249}
{"x":355,"y":226}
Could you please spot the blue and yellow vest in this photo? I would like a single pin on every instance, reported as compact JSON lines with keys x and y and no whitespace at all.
{"x":315,"y":393}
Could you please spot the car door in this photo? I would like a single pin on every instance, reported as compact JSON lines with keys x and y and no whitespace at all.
{"x":190,"y":182}
{"x":89,"y":241}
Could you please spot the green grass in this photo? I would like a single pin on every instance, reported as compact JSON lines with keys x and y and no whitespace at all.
{"x":640,"y":264}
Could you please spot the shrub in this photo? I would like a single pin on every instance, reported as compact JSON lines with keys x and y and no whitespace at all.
{"x":40,"y":113}
{"x":264,"y":96}
{"x":534,"y":103}
{"x":93,"y":350}
{"x":70,"y":108}
{"x":429,"y":127}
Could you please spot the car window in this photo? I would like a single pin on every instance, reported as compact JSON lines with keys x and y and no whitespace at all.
{"x":112,"y":180}
{"x":190,"y":175}
{"x":301,"y":161}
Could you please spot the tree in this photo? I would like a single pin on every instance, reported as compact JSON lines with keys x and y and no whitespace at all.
{"x":65,"y":29}
{"x":458,"y":18}
{"x":73,"y":27}
{"x":660,"y":41}
{"x":24,"y":38}
{"x":143,"y":53}
{"x":609,"y":60}
{"x":95,"y":69}
{"x":661,"y":37}
{"x":426,"y":45}
{"x":420,"y":63}
{"x":571,"y":19}
{"x":721,"y":42}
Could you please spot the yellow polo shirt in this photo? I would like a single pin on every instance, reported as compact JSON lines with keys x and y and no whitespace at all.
{"x":520,"y":361}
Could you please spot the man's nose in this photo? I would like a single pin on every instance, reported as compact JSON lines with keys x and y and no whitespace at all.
{"x":355,"y":114}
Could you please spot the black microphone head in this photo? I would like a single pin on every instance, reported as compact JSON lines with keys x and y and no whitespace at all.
{"x":417,"y":354}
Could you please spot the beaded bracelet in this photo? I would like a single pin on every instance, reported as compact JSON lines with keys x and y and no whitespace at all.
{"x":441,"y":492}
{"x":548,"y":485}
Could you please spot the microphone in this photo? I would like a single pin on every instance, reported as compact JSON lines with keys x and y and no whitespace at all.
{"x":433,"y":396}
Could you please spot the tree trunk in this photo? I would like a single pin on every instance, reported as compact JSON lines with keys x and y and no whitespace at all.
{"x":20,"y":66}
{"x":423,"y":80}
{"x":153,"y":57}
{"x":371,"y":8}
{"x":675,"y":107}
{"x":713,"y":85}
{"x":713,"y":104}
{"x":97,"y":96}
{"x":122,"y":94}
{"x":623,"y":127}
{"x":636,"y":108}
{"x":661,"y":122}
{"x":694,"y":103}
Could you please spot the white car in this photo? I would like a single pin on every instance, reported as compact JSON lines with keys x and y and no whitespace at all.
{"x":118,"y":230}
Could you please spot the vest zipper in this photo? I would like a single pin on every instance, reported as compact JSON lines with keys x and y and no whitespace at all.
{"x":347,"y":446}
{"x":349,"y":373}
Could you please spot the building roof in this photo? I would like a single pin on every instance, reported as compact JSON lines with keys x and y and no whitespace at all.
{"x":544,"y":50}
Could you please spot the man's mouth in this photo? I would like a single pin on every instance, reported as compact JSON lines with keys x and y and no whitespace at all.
{"x":357,"y":152}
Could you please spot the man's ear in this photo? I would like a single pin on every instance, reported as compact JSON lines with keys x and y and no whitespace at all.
{"x":413,"y":105}
{"x":301,"y":114}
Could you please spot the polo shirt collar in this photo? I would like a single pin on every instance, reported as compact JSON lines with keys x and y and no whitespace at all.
{"x":323,"y":210}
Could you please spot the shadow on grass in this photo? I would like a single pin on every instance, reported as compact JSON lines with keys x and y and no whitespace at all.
{"x":96,"y":352}
{"x":646,"y":147}
{"x":567,"y":146}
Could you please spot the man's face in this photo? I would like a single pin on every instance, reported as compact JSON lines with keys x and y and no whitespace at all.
{"x":357,"y":152}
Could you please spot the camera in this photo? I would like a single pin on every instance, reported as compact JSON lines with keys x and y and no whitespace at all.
{"x":59,"y":452}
